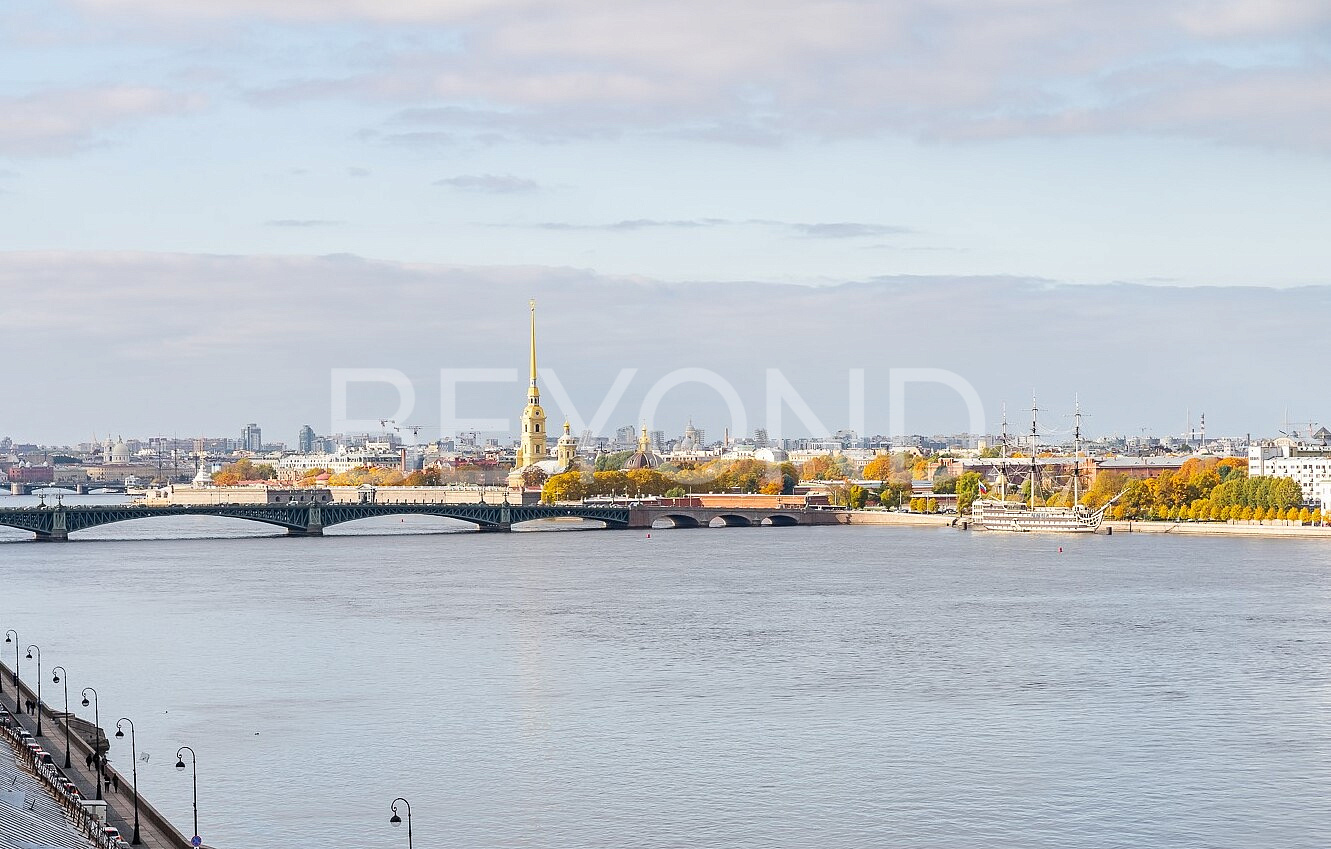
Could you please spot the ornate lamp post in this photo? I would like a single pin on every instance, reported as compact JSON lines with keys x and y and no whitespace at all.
{"x":134,"y":759}
{"x":11,"y":633}
{"x":32,"y":649}
{"x":180,"y":765}
{"x":56,"y":679}
{"x":97,"y":732}
{"x":396,"y":820}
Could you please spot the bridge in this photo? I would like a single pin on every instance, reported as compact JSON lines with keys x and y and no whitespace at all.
{"x":58,"y":522}
{"x":83,"y":488}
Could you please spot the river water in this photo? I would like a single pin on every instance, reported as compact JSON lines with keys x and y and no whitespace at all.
{"x":759,"y":687}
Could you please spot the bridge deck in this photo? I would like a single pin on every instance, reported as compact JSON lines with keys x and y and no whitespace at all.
{"x":58,"y":522}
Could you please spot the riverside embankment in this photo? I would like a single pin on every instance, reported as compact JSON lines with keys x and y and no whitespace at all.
{"x":1276,"y":528}
{"x":1271,"y":528}
{"x":155,"y":830}
{"x":888,"y":517}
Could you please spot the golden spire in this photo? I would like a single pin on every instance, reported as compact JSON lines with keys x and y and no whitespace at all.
{"x":532,"y":304}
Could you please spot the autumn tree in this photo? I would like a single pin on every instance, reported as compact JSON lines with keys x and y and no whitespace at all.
{"x":423,"y":477}
{"x":243,"y":470}
{"x":534,"y":477}
{"x":567,"y":486}
{"x":647,"y":482}
{"x":823,"y":468}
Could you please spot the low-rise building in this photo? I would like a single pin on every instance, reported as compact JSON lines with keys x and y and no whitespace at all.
{"x":1308,"y":463}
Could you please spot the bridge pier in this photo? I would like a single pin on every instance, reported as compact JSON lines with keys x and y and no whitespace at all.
{"x":312,"y":531}
{"x":498,"y":528}
{"x":60,"y":535}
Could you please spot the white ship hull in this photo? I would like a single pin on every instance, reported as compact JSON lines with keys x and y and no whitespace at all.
{"x":993,"y":515}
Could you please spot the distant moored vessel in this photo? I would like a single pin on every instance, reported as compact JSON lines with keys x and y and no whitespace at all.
{"x":1002,"y":515}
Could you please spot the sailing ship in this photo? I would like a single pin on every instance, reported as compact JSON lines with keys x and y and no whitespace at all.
{"x":1003,"y":515}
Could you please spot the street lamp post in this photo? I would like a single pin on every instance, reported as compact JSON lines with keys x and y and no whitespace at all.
{"x":134,"y":764}
{"x":32,"y":649}
{"x":97,"y":733}
{"x":56,"y":679}
{"x":396,"y":820}
{"x":180,"y":765}
{"x":11,"y":633}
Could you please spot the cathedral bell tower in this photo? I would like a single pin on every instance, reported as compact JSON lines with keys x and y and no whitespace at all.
{"x":533,"y":448}
{"x":566,"y":450}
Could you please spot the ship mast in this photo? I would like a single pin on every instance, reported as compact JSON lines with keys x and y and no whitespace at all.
{"x":1035,"y":440}
{"x":1002,"y":467}
{"x":1076,"y":451}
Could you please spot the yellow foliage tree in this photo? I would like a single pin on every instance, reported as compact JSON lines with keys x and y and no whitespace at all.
{"x":823,"y":468}
{"x":567,"y":486}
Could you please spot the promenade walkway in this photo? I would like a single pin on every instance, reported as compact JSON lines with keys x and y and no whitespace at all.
{"x":155,"y":832}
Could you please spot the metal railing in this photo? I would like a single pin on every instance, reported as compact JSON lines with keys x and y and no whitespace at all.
{"x":53,"y":781}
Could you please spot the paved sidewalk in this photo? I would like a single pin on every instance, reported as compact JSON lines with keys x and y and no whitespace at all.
{"x":119,"y":804}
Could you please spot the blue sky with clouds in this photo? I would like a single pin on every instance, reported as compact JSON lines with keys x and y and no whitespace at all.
{"x":788,"y":141}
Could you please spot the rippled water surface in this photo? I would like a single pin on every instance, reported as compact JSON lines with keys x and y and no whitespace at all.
{"x":761,"y":687}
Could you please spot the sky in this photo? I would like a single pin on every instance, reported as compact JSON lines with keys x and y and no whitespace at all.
{"x":306,"y":185}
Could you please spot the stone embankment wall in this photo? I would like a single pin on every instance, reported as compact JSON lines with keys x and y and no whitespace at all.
{"x":1269,"y":528}
{"x":887,"y":517}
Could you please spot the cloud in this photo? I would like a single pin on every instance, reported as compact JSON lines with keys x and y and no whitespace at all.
{"x":832,"y":230}
{"x":184,"y":372}
{"x":631,"y":224}
{"x":302,"y":222}
{"x":503,"y":184}
{"x":355,"y":171}
{"x":847,"y":230}
{"x":489,"y":71}
{"x":61,"y":121}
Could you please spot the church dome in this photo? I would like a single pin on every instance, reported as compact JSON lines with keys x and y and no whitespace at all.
{"x":642,"y":460}
{"x":120,"y":453}
{"x":644,"y":457}
{"x":690,"y":440}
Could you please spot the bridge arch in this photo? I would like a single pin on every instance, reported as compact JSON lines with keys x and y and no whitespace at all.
{"x":730,"y":520}
{"x":780,"y":520}
{"x":561,"y":523}
{"x":676,"y":520}
{"x":188,"y":525}
{"x":413,"y":522}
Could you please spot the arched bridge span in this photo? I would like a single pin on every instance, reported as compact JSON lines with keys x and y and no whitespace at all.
{"x":57,"y":523}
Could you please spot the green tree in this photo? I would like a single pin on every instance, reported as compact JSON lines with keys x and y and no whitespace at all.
{"x":856,"y":497}
{"x":612,"y":462}
{"x":967,"y":488}
{"x":891,"y":494}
